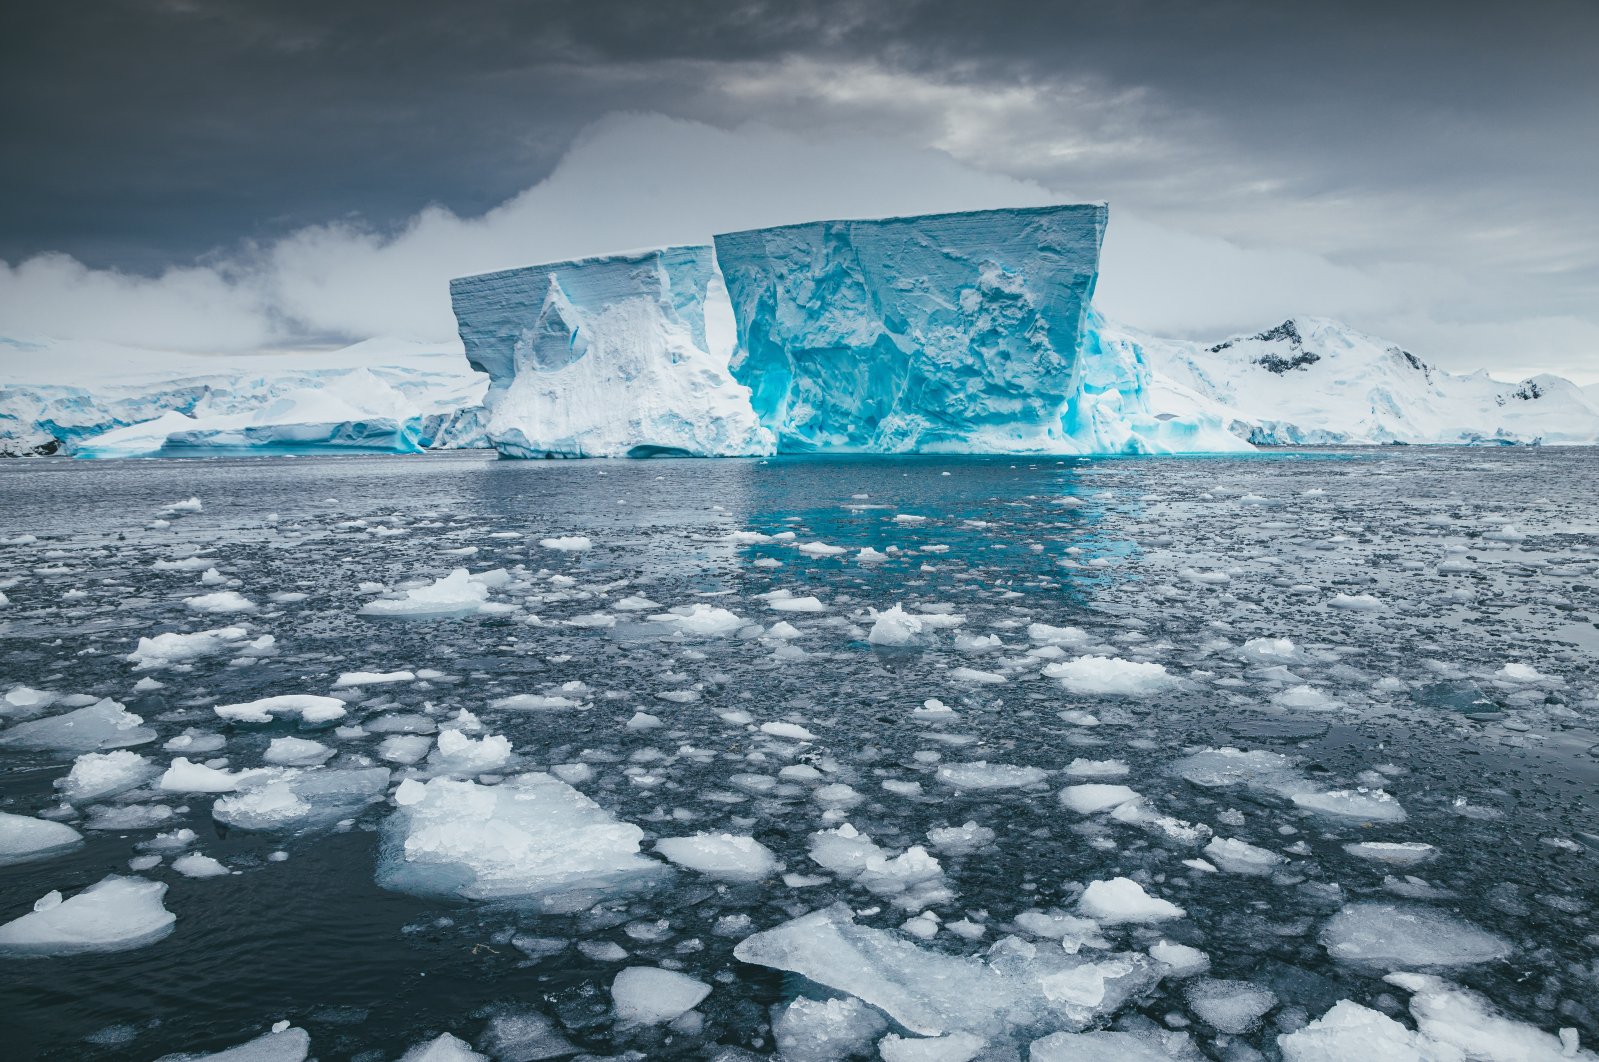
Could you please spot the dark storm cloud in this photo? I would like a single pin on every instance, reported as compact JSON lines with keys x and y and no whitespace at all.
{"x":139,"y":131}
{"x":1443,"y":150}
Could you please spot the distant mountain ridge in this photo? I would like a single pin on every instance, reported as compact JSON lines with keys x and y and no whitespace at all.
{"x":1311,"y":381}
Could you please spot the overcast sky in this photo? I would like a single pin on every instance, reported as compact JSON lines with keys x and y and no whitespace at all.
{"x":226,"y":175}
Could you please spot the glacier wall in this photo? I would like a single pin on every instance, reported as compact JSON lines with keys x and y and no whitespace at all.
{"x":941,"y":333}
{"x":608,"y":357}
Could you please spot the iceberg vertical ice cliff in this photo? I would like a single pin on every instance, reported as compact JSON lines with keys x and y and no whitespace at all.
{"x":943,"y":333}
{"x":607,"y":357}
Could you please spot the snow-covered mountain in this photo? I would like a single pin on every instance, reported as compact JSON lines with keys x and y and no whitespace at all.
{"x":1311,"y":381}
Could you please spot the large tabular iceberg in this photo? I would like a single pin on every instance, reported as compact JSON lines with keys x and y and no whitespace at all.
{"x":960,"y":333}
{"x":608,"y":357}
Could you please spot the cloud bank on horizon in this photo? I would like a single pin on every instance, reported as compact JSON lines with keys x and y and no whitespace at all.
{"x":641,"y":180}
{"x":226,"y":177}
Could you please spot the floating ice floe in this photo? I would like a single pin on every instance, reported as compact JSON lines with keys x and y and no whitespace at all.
{"x":296,"y":752}
{"x":1398,"y":853}
{"x":1274,"y":774}
{"x":97,"y":775}
{"x":1395,"y":936}
{"x":567,"y":543}
{"x":809,"y":1030}
{"x":1117,"y":1046}
{"x":348,"y":679}
{"x":164,"y":650}
{"x":114,"y":914}
{"x":648,"y":995}
{"x":532,"y":839}
{"x":1120,"y":901}
{"x":1232,"y":1007}
{"x":1110,"y":676}
{"x":298,"y":800}
{"x":106,"y":724}
{"x":1016,"y":985}
{"x":720,"y":855}
{"x":913,"y":879}
{"x":459,"y":753}
{"x":700,"y":620}
{"x":461,"y":593}
{"x":312,"y":710}
{"x":1091,"y":798}
{"x":221,"y":602}
{"x":24,"y":838}
{"x":443,"y":1048}
{"x":1241,"y":857}
{"x":282,"y":1043}
{"x":983,"y":775}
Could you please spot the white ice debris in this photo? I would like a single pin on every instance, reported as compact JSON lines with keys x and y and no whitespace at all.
{"x":115,"y":914}
{"x":24,"y":838}
{"x":531,"y":838}
{"x":956,"y":1047}
{"x":97,"y":775}
{"x":221,"y":602}
{"x":932,"y":993}
{"x":1395,"y":936}
{"x":648,"y":995}
{"x":461,"y":593}
{"x":1233,"y":1007}
{"x":443,"y":1048}
{"x":809,"y":1030}
{"x":1399,"y":853}
{"x":165,"y":650}
{"x":720,"y":855}
{"x":567,"y":543}
{"x":1241,"y":857}
{"x":1091,"y":798}
{"x":459,"y":753}
{"x":300,"y":799}
{"x":701,"y":620}
{"x":913,"y":879}
{"x":895,"y":627}
{"x":106,"y":724}
{"x":185,"y":776}
{"x":1123,"y":900}
{"x":373,"y":678}
{"x":983,"y":775}
{"x":1180,"y":960}
{"x":296,"y":752}
{"x":195,"y":865}
{"x":1109,"y":676}
{"x":311,"y":709}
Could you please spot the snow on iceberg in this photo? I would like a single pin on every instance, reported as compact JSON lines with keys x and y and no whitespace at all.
{"x":948,"y":333}
{"x":531,"y":839}
{"x":624,"y":355}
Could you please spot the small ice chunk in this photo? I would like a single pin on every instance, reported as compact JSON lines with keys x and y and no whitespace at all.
{"x":96,"y":775}
{"x":1181,"y":960}
{"x":720,"y":855}
{"x":960,"y":840}
{"x":114,"y":914}
{"x":956,"y":1047}
{"x":1110,"y":676}
{"x":311,"y":709}
{"x":296,"y":752}
{"x":568,"y":543}
{"x":895,"y":627}
{"x":185,"y":776}
{"x":459,"y":753}
{"x":648,"y":995}
{"x":809,"y":1030}
{"x":1233,"y":1007}
{"x":1091,"y":798}
{"x":24,"y":838}
{"x":1081,"y":768}
{"x":443,"y":1048}
{"x":701,"y":620}
{"x":164,"y":650}
{"x":373,"y":678}
{"x":792,"y":731}
{"x":1123,"y":900}
{"x":1241,"y":857}
{"x":1397,"y":853}
{"x":1359,"y":803}
{"x":983,"y":775}
{"x":1108,"y":1046}
{"x":106,"y":724}
{"x":1394,"y":936}
{"x":221,"y":602}
{"x":195,"y":865}
{"x":1350,"y":1032}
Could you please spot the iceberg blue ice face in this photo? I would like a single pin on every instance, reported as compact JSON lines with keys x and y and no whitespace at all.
{"x":947,"y":332}
{"x":607,"y":357}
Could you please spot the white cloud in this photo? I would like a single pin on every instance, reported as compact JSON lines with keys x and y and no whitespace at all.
{"x":641,"y":180}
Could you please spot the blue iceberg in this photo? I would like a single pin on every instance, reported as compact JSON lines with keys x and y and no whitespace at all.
{"x":955,"y":333}
{"x":624,"y":355}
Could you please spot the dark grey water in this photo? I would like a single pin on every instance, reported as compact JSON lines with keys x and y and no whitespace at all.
{"x":1470,"y":560}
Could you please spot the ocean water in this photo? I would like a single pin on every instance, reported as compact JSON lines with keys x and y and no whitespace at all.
{"x":1423,"y":622}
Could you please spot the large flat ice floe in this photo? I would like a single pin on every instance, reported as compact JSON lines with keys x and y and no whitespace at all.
{"x":115,"y":914}
{"x":608,"y":357}
{"x":532,"y":839}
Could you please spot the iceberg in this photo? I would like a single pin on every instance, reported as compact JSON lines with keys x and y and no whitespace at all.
{"x":625,"y":355}
{"x":942,"y":333}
